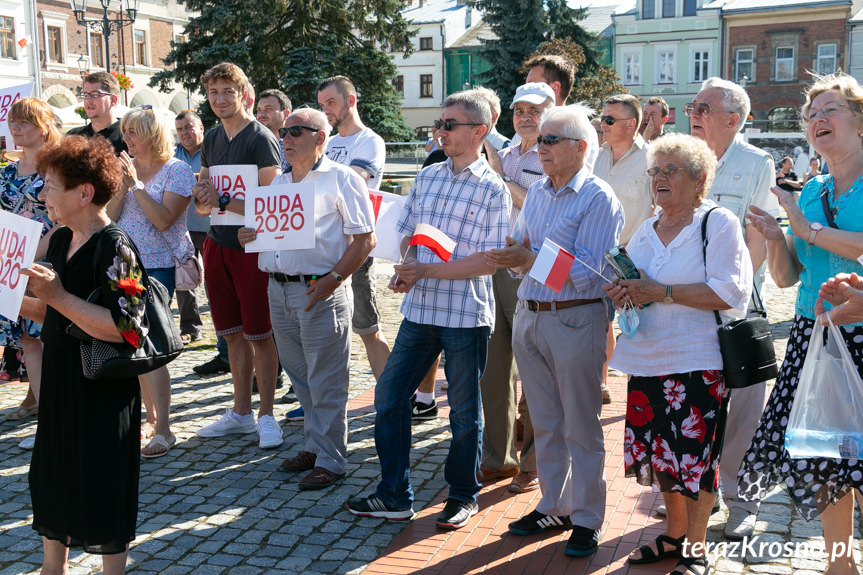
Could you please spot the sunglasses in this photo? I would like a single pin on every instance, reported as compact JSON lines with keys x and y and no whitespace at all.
{"x":295,"y":131}
{"x":94,"y":95}
{"x":448,"y":125}
{"x":553,"y":140}
{"x":700,"y":109}
{"x":667,"y":171}
{"x":610,"y":120}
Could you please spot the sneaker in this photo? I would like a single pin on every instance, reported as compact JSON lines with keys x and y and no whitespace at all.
{"x":212,"y":367}
{"x":319,"y":478}
{"x":28,"y":442}
{"x":289,"y":397}
{"x":269,"y":432}
{"x":228,"y":424}
{"x":582,"y":542}
{"x":371,"y":506}
{"x":456,"y":514}
{"x":535,"y":523}
{"x":295,"y":414}
{"x":524,"y":482}
{"x":740,"y":523}
{"x":606,"y":395}
{"x":421,"y":411}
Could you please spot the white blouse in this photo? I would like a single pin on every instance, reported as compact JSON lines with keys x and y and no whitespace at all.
{"x":674,"y":338}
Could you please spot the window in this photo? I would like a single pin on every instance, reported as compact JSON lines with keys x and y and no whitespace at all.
{"x":648,"y":9}
{"x":700,"y":65}
{"x":826,"y":62}
{"x":54,"y":44}
{"x":632,"y":68}
{"x":426,"y":43}
{"x":689,"y":7}
{"x":426,"y":86}
{"x":399,"y":84}
{"x":97,"y":50}
{"x":784,"y":64}
{"x":783,"y":119}
{"x":744,"y":65}
{"x":665,"y":67}
{"x":7,"y":37}
{"x":140,"y":48}
{"x":668,"y":8}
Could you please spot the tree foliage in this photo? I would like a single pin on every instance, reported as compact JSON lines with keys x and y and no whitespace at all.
{"x":293,"y":45}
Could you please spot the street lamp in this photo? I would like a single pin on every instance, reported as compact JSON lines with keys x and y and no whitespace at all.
{"x":106,"y":24}
{"x":83,"y":65}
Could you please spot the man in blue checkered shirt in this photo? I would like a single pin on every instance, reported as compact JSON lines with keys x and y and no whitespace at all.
{"x":448,"y":306}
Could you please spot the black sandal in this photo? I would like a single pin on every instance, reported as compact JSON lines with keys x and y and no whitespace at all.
{"x":687,"y":563}
{"x":648,"y":555}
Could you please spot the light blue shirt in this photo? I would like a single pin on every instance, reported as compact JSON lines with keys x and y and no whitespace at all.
{"x":194,"y":222}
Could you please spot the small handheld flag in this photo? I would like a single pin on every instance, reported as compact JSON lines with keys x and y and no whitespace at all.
{"x":552,"y":265}
{"x":433,"y":239}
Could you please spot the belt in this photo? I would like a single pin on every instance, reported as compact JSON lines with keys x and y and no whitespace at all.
{"x":534,"y":305}
{"x":301,"y":278}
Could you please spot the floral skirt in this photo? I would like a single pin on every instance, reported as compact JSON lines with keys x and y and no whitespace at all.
{"x":812,"y":483}
{"x":674,"y":429}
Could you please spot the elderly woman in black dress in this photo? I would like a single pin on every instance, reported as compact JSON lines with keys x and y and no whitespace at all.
{"x":84,"y":471}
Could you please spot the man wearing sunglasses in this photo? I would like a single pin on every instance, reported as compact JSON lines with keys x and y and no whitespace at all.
{"x":744,"y":175}
{"x":447,"y":306}
{"x":101,"y":92}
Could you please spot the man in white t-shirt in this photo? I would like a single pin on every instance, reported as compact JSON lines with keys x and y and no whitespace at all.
{"x":359,"y":148}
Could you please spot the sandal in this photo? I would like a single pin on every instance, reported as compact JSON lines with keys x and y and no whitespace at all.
{"x":689,"y":563}
{"x":159,"y":441}
{"x":648,"y":555}
{"x":23,"y":412}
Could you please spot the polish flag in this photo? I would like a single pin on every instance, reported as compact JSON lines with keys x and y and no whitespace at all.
{"x":552,"y":265}
{"x":433,"y":239}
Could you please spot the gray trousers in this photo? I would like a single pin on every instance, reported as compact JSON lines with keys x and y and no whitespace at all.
{"x":744,"y":414}
{"x":498,"y":387}
{"x":315,"y":349}
{"x":560,"y":355}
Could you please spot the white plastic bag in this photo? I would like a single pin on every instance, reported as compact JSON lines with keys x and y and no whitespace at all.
{"x":826,"y":419}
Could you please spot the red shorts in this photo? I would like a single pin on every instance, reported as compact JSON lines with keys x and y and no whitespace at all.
{"x":237,"y":290}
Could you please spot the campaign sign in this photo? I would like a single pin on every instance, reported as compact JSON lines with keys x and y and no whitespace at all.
{"x":19,"y":238}
{"x":237,"y":180}
{"x":283,"y":217}
{"x":387,"y":208}
{"x":9,"y":96}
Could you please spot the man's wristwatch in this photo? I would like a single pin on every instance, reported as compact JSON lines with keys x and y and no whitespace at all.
{"x":507,"y":179}
{"x":339,"y":277}
{"x":814,"y":228}
{"x":138,"y":185}
{"x":668,"y":298}
{"x":224,"y":200}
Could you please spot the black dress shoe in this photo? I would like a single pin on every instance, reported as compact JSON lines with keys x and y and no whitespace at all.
{"x":214,"y":366}
{"x":280,"y":381}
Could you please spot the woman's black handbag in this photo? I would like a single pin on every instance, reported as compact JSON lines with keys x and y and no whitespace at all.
{"x":162,"y":344}
{"x":748,"y":355}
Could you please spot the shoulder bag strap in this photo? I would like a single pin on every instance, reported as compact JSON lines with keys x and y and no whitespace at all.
{"x":704,"y":254}
{"x":825,"y":205}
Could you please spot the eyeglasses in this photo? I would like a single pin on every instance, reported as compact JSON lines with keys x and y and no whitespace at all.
{"x":553,"y":140}
{"x":702,"y":109}
{"x":825,"y":112}
{"x":295,"y":131}
{"x":146,"y":107}
{"x":13,"y":125}
{"x":94,"y":95}
{"x":448,"y":125}
{"x":610,"y":120}
{"x":667,"y":171}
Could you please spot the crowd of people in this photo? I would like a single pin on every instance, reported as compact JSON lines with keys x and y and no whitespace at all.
{"x":120,"y":202}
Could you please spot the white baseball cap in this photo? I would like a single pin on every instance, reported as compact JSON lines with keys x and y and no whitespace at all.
{"x":533,"y":93}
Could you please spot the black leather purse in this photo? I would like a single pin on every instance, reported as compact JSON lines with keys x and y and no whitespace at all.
{"x":748,"y":355}
{"x":162,"y":344}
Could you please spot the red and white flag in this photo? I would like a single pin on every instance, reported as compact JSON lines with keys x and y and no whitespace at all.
{"x":552,"y":265}
{"x":387,"y":208}
{"x":433,"y":239}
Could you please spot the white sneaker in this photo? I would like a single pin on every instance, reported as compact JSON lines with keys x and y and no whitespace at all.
{"x":269,"y":432}
{"x":228,"y":424}
{"x":28,"y":442}
{"x":740,"y":523}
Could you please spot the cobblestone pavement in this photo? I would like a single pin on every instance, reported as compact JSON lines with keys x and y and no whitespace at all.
{"x":221,"y":505}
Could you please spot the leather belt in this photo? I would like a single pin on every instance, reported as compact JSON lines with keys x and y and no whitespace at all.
{"x":301,"y":278}
{"x":534,"y":305}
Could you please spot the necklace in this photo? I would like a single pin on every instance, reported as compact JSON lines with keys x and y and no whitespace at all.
{"x":836,"y":203}
{"x":672,"y":224}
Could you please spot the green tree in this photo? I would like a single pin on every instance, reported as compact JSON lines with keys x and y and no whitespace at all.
{"x":293,"y":45}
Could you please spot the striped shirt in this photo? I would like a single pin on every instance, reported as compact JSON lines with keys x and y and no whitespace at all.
{"x":524,"y":169}
{"x":584,"y":218}
{"x":472,"y":208}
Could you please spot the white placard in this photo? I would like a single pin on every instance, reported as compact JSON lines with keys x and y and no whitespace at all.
{"x":237,"y":180}
{"x":283,"y":216}
{"x":19,"y":237}
{"x":8,"y":96}
{"x":387,"y":208}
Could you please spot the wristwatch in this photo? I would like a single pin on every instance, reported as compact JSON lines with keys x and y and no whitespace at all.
{"x":507,"y":179}
{"x":339,"y":277}
{"x":138,"y":185}
{"x":224,"y":200}
{"x":668,"y":298}
{"x":814,"y":228}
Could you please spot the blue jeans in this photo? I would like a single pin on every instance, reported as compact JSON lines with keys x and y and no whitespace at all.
{"x":165,"y":277}
{"x":416,"y":347}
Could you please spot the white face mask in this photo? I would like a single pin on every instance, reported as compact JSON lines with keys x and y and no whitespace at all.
{"x":627,"y":320}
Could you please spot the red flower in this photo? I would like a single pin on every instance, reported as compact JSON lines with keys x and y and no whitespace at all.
{"x":675,"y":393}
{"x":691,"y":471}
{"x":663,"y":458}
{"x":693,"y":426}
{"x":638,"y":410}
{"x":130,"y":286}
{"x":714,"y":378}
{"x":632,"y":450}
{"x":131,"y":336}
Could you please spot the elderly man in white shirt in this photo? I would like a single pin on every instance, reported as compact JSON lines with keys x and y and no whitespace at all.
{"x":310,"y":308}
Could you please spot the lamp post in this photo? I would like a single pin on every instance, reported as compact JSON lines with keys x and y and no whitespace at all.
{"x":106,"y":24}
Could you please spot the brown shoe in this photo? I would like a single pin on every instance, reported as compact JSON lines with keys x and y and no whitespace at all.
{"x":303,"y":461}
{"x":319,"y":478}
{"x":525,"y":481}
{"x":606,"y":395}
{"x":487,"y":474}
{"x":519,"y":429}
